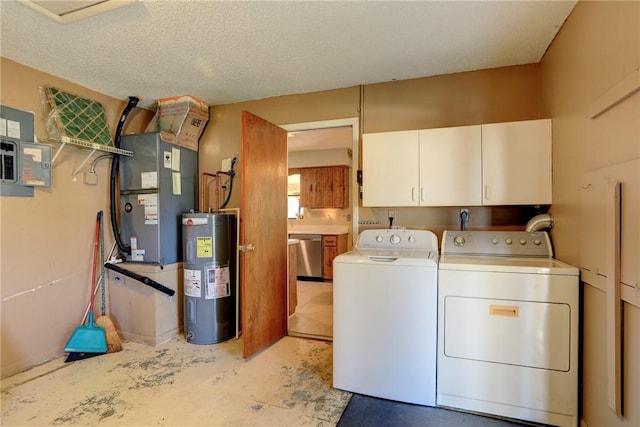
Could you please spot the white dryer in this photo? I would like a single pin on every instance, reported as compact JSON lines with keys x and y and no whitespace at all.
{"x":507,"y":327}
{"x":384,"y":316}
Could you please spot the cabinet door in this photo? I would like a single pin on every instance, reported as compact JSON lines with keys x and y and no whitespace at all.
{"x":332,"y":246}
{"x":329,"y":252}
{"x":516,"y":163}
{"x":390,"y":169}
{"x":332,"y":186}
{"x":323,"y":187}
{"x":309,"y":188}
{"x":450,"y":166}
{"x":339,"y":186}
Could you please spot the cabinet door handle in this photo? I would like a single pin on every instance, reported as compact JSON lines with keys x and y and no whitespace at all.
{"x":422,"y":194}
{"x":486,"y":192}
{"x":413,"y":194}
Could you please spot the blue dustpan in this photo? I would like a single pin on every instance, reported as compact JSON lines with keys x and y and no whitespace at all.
{"x":88,"y":339}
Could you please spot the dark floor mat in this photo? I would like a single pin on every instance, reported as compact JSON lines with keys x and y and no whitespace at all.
{"x":365,"y":411}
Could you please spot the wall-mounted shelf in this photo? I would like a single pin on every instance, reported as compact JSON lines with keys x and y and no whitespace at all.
{"x":79,"y":121}
{"x":94,"y":146}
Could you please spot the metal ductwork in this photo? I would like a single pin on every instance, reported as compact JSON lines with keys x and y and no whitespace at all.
{"x":540,"y":222}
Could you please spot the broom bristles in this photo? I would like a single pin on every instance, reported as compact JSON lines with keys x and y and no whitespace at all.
{"x":114,"y":343}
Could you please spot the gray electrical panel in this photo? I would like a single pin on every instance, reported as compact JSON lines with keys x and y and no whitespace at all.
{"x":24,"y":164}
{"x":157,"y":185}
{"x":209,"y":248}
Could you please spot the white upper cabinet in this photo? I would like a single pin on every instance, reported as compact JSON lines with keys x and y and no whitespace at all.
{"x":390,"y":169}
{"x":516,"y":163}
{"x":493,"y":164}
{"x":451,"y":166}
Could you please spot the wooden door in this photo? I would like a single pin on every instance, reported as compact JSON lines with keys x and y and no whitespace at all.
{"x":263,"y":232}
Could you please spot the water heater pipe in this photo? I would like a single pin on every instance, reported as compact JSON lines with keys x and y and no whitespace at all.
{"x":216,"y":177}
{"x":203,"y":200}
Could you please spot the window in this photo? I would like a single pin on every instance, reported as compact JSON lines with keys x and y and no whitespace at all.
{"x":293,"y":207}
{"x":293,"y":185}
{"x":293,"y":193}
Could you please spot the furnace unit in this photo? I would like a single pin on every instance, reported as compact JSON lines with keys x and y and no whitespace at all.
{"x":157,"y":185}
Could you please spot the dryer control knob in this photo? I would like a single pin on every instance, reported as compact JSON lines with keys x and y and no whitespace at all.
{"x":458,"y":241}
{"x":412,"y":239}
{"x":379,"y":239}
{"x":523,"y":241}
{"x":508,"y":241}
{"x":395,"y":239}
{"x":494,"y":241}
{"x":537,"y":242}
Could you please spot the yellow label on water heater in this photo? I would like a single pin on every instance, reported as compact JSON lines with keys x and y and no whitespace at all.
{"x":204,"y":247}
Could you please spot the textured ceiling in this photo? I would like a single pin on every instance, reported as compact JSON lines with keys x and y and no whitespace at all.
{"x":231,"y":51}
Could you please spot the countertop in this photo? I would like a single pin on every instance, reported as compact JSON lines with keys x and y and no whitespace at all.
{"x":319,"y":229}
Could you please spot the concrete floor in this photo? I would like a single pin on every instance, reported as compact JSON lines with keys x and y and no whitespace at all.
{"x":181,"y":384}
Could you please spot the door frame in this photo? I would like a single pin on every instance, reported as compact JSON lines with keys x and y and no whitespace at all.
{"x":354,"y":122}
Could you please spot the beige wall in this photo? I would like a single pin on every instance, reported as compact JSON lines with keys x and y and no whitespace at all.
{"x":597,"y":48}
{"x":221,"y":139}
{"x":485,"y":96}
{"x":46,"y":241}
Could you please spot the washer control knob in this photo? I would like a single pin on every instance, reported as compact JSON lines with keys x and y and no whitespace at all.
{"x":458,"y":241}
{"x":537,"y":242}
{"x":412,"y":239}
{"x":379,"y":239}
{"x":523,"y":241}
{"x":395,"y":239}
{"x":508,"y":241}
{"x":494,"y":241}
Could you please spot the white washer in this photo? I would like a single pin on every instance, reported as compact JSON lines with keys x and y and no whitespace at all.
{"x":507,"y":327}
{"x":384,"y":316}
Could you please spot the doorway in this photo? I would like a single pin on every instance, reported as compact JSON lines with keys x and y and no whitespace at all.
{"x":313,"y":299}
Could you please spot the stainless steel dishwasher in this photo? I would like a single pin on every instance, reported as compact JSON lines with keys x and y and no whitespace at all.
{"x":309,"y":256}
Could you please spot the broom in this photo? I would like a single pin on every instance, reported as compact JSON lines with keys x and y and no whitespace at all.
{"x":88,"y":340}
{"x":114,"y":344}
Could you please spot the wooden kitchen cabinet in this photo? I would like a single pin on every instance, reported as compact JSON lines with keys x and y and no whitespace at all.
{"x":480,"y":165}
{"x":332,"y":246}
{"x":324,"y":187}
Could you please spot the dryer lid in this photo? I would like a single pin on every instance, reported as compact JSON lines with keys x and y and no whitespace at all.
{"x":501,"y":264}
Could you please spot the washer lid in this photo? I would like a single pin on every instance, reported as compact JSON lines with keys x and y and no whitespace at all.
{"x":391,"y":258}
{"x":507,"y":265}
